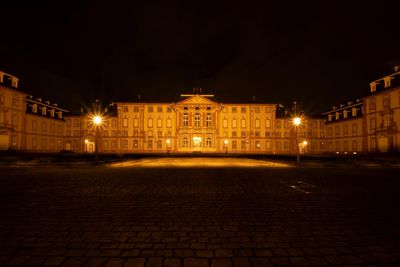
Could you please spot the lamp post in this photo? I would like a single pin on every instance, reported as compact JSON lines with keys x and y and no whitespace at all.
{"x":305,"y":143}
{"x":226,"y":146}
{"x":296,"y":124}
{"x":86,"y":144}
{"x":168,"y":145}
{"x":97,"y":121}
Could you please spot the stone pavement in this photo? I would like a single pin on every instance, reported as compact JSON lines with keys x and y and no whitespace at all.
{"x":102,"y":216}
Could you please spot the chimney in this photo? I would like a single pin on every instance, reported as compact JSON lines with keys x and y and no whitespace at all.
{"x":39,"y":99}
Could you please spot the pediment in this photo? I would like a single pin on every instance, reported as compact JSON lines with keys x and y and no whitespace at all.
{"x":197,"y":100}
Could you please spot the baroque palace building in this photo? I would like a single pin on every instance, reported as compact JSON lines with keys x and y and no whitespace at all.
{"x":197,"y":122}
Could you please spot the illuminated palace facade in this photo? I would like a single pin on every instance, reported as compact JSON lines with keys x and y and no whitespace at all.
{"x":199,"y":123}
{"x":196,"y":123}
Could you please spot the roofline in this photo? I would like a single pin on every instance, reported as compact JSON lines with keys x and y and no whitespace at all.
{"x":44,"y":104}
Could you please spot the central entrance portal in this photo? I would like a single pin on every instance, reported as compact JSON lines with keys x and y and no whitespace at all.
{"x":196,"y":144}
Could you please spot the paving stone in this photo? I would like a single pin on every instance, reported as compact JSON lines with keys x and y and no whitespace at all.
{"x":115,"y":262}
{"x":139,"y":262}
{"x":172,"y":262}
{"x":221,"y":263}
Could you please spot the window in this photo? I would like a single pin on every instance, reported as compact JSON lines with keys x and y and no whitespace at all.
{"x":150,"y":123}
{"x":279,"y":145}
{"x":105,"y":144}
{"x":234,"y":144}
{"x":234,"y":110}
{"x":150,"y":133}
{"x":59,"y":114}
{"x":135,"y":109}
{"x":34,"y":142}
{"x":345,"y":114}
{"x":322,"y":125}
{"x":15,"y":100}
{"x":185,"y":120}
{"x":135,"y":122}
{"x":159,"y":133}
{"x":159,"y":123}
{"x":15,"y":119}
{"x":267,"y":134}
{"x":243,"y":145}
{"x":169,"y":109}
{"x":208,"y":120}
{"x":388,"y":81}
{"x":159,"y":144}
{"x":44,"y":126}
{"x":150,"y":144}
{"x":68,"y":133}
{"x":243,"y":134}
{"x":373,"y":123}
{"x":135,"y":133}
{"x":113,"y":133}
{"x":267,"y":145}
{"x":125,"y":109}
{"x":354,"y":112}
{"x":114,"y":144}
{"x":372,"y":105}
{"x":337,"y":131}
{"x":345,"y":130}
{"x":337,"y":146}
{"x":243,"y":110}
{"x":243,"y":123}
{"x":52,"y":128}
{"x":354,"y":145}
{"x":373,"y":143}
{"x":225,"y":123}
{"x":124,"y":133}
{"x":76,"y":133}
{"x":105,"y":133}
{"x":234,"y":123}
{"x":257,"y":123}
{"x":114,"y":123}
{"x":354,"y":129}
{"x":149,"y":109}
{"x":1,"y":98}
{"x":278,"y":124}
{"x":159,"y":109}
{"x":345,"y":145}
{"x":285,"y":145}
{"x":185,"y":142}
{"x":257,"y":133}
{"x":285,"y":124}
{"x":125,"y":122}
{"x":329,"y":132}
{"x":44,"y":144}
{"x":196,"y":120}
{"x":44,"y":111}
{"x":169,"y":123}
{"x":257,"y":110}
{"x":267,"y":123}
{"x":208,"y":142}
{"x":135,"y":144}
{"x":124,"y":144}
{"x":234,"y":134}
{"x":388,"y":120}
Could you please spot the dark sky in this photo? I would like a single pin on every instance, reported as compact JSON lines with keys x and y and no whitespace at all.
{"x":320,"y":53}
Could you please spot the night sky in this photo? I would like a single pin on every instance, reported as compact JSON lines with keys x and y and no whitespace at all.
{"x":278,"y":51}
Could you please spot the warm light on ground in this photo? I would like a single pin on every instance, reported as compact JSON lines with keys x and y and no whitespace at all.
{"x":199,"y":162}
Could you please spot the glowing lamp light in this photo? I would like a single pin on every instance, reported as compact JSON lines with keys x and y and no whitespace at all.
{"x":225,"y":142}
{"x":97,"y":120}
{"x":305,"y":143}
{"x":168,"y":141}
{"x":86,"y":141}
{"x":296,"y":121}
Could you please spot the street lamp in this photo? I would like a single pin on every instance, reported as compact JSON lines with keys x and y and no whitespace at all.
{"x":297,"y":123}
{"x":168,"y":145}
{"x":97,"y":120}
{"x":305,"y":143}
{"x":86,"y":144}
{"x":226,"y":146}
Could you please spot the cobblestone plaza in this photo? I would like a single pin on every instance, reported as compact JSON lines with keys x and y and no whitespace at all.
{"x":255,"y":215}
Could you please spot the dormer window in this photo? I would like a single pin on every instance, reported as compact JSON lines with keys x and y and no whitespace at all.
{"x":354,"y":112}
{"x":44,"y":111}
{"x":330,"y":117}
{"x":337,"y":115}
{"x":34,"y":108}
{"x":52,"y":112}
{"x":372,"y":87}
{"x":59,"y":114}
{"x":345,"y":114}
{"x":388,"y":81}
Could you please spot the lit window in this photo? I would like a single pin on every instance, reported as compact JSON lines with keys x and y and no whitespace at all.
{"x":257,"y":110}
{"x":159,"y":123}
{"x":185,"y":142}
{"x":225,"y":123}
{"x":150,"y":109}
{"x":125,"y":122}
{"x":185,"y":120}
{"x":135,"y":122}
{"x":169,"y":123}
{"x":243,"y":110}
{"x":234,"y":123}
{"x":150,"y":123}
{"x":243,"y":123}
{"x":234,"y":110}
{"x":257,"y":123}
{"x":159,"y":109}
{"x":267,"y":123}
{"x":208,"y":120}
{"x":135,"y":109}
{"x":197,"y":120}
{"x":208,"y":142}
